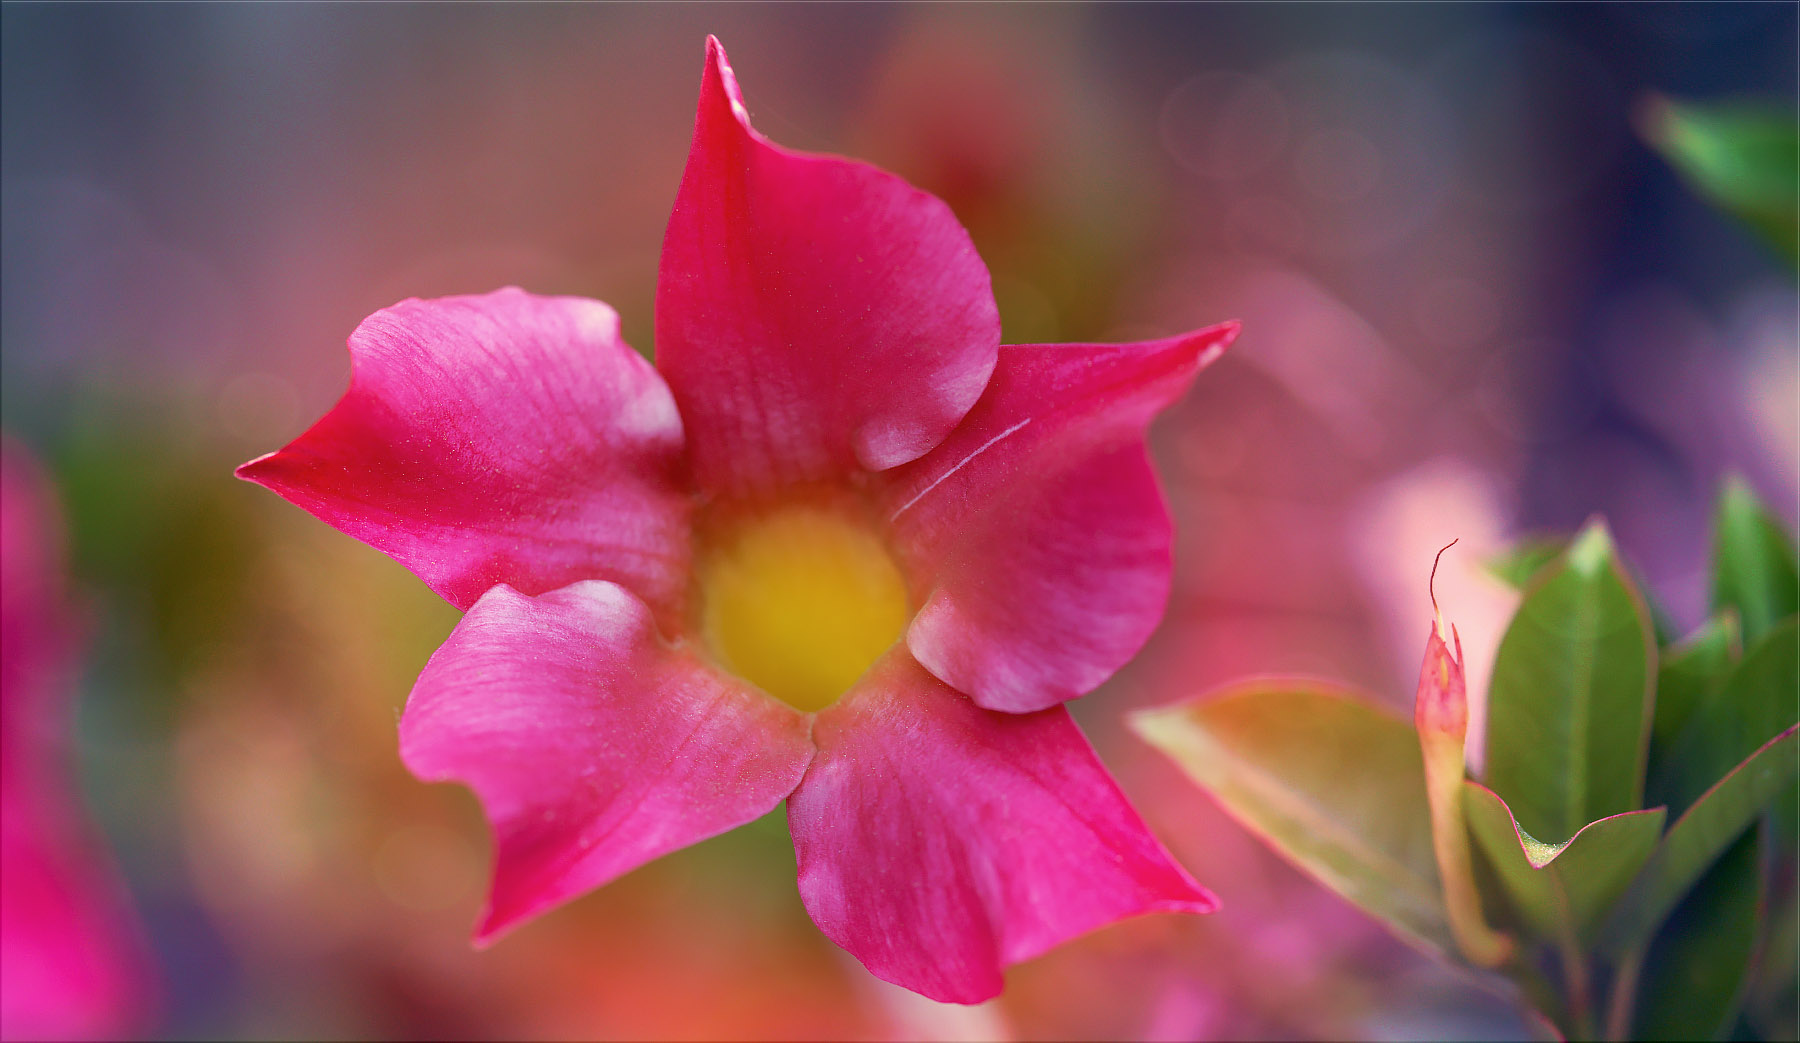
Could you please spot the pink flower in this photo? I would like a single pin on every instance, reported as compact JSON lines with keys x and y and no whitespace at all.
{"x":70,"y":966}
{"x":839,"y":547}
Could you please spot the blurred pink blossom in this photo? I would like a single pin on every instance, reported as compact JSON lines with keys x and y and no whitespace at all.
{"x":70,"y":967}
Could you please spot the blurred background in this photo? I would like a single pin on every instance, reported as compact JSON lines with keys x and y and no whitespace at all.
{"x":1475,"y":305}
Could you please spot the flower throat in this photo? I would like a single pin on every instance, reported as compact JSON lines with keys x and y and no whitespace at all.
{"x":800,"y":602}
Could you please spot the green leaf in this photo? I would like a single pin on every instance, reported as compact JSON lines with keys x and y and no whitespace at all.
{"x":1516,"y":565}
{"x":1565,"y":887}
{"x":1520,"y":565}
{"x":1569,"y":704}
{"x":1696,"y":971}
{"x":1688,"y":675}
{"x":1740,"y":156}
{"x":1715,"y":821}
{"x":1753,"y":567}
{"x":1327,"y":778}
{"x":1756,"y":701}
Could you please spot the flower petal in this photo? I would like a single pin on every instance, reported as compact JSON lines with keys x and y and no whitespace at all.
{"x":1037,"y":532}
{"x":814,"y":315}
{"x":593,"y":745}
{"x":939,"y":842}
{"x":504,"y":438}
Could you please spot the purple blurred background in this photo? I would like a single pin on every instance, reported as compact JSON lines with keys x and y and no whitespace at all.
{"x":1475,"y":306}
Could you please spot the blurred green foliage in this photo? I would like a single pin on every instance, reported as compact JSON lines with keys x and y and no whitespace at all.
{"x":1740,"y":156}
{"x":152,"y":525}
{"x":1636,"y":841}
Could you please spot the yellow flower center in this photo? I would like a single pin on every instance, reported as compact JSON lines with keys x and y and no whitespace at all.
{"x":800,"y":602}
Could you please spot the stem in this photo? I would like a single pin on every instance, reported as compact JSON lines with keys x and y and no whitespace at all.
{"x":1576,"y":984}
{"x":1484,"y":946}
{"x":1624,"y":995}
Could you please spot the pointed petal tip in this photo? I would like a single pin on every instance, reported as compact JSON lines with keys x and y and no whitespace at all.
{"x":719,"y":77}
{"x":255,"y":471}
{"x":1192,"y":897}
{"x":493,"y":926}
{"x":1200,"y":903}
{"x":1188,"y":352}
{"x":1212,"y":341}
{"x":1197,"y":901}
{"x":1207,"y":904}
